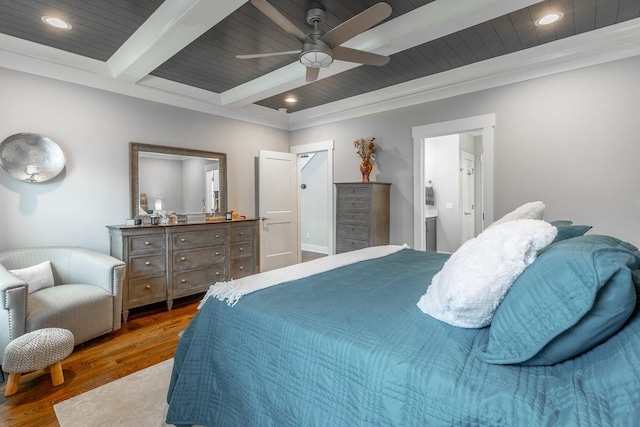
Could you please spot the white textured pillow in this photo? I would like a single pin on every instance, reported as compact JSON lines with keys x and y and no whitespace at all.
{"x":531,"y":210}
{"x":473,"y":281}
{"x":38,"y":276}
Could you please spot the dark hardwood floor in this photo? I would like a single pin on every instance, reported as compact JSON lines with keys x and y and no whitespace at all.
{"x":149,"y":337}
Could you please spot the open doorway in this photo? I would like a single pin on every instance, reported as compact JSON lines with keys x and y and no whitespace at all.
{"x":316,"y":199}
{"x":453,"y":182}
{"x":480,"y":127}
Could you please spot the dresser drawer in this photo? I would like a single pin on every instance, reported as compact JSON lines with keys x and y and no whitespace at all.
{"x":353,"y":231}
{"x":241,"y":250}
{"x":346,"y":245}
{"x":242,"y":267}
{"x":199,"y":239}
{"x":146,"y":265}
{"x":147,"y":290}
{"x":353,"y":206}
{"x":241,"y":234}
{"x":198,"y":278}
{"x":195,"y":258}
{"x":147,"y":244}
{"x":354,"y":194}
{"x":356,"y":218}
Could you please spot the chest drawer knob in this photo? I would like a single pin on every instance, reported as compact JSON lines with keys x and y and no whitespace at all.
{"x":183,"y":281}
{"x":148,"y":286}
{"x":241,"y":267}
{"x":183,"y":240}
{"x":217,"y":236}
{"x":147,"y":243}
{"x":217,"y":273}
{"x":183,"y":259}
{"x":147,"y":263}
{"x":242,"y":233}
{"x":217,"y":253}
{"x":241,"y":249}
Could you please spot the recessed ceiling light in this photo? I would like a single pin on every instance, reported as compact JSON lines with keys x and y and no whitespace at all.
{"x":56,"y":22}
{"x":290,"y":99}
{"x":549,"y":18}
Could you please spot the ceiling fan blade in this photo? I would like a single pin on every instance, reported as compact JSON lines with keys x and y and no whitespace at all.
{"x":312,"y":74}
{"x":356,"y":25}
{"x":264,"y":55}
{"x":273,"y":14}
{"x":361,"y":57}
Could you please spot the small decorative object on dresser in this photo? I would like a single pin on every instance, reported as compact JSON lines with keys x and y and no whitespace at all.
{"x":362,"y":215}
{"x":172,"y":261}
{"x":366,"y":149}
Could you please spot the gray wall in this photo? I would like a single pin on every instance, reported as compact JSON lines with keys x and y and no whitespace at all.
{"x":94,"y":129}
{"x":570,"y":140}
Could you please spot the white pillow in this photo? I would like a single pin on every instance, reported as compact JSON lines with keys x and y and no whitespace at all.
{"x":475,"y":279}
{"x":38,"y":277}
{"x":531,"y":210}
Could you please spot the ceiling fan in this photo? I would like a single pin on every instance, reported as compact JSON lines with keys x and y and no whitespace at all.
{"x":321,"y":49}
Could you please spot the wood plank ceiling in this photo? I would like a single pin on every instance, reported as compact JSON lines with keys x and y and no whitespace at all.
{"x":209,"y":63}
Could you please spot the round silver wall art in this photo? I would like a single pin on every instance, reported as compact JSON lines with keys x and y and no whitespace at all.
{"x":31,"y":157}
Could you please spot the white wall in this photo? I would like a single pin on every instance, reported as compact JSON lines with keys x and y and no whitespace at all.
{"x":313,"y":204}
{"x":570,"y":140}
{"x":94,"y":129}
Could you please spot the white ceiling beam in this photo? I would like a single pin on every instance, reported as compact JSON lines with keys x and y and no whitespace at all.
{"x":173,"y":26}
{"x":429,"y":22}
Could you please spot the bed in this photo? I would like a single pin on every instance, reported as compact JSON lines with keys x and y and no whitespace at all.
{"x":350,"y":347}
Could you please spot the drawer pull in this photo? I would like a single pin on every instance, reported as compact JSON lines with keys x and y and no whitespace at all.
{"x":147,"y":243}
{"x":217,"y":236}
{"x":148,"y":286}
{"x":241,"y":249}
{"x":183,"y":240}
{"x":183,"y":259}
{"x":242,"y":233}
{"x":183,"y":281}
{"x":217,"y":273}
{"x":241,"y":267}
{"x":147,"y":263}
{"x":217,"y":253}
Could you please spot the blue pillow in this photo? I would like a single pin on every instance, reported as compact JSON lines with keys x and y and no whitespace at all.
{"x":575,"y":295}
{"x":567,"y":230}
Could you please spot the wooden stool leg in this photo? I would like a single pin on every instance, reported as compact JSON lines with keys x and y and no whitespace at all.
{"x":12,"y":384}
{"x":57,"y":377}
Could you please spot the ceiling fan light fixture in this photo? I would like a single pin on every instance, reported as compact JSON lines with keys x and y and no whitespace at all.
{"x":316,"y":59}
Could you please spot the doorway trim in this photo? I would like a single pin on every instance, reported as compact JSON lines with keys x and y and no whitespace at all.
{"x":315,"y":147}
{"x":486,"y":124}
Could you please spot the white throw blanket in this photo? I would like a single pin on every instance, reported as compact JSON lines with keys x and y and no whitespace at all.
{"x":233,"y":290}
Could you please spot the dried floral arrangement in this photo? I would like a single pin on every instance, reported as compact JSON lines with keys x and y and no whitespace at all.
{"x":366,"y":148}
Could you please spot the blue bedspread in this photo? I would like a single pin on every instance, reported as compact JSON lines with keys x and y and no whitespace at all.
{"x":350,"y":348}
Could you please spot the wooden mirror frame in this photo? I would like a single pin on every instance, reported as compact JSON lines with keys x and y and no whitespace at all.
{"x":134,"y":183}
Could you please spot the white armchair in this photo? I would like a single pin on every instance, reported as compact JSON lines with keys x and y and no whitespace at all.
{"x":86,"y":297}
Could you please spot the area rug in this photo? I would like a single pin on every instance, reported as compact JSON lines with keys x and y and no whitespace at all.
{"x":138,"y":399}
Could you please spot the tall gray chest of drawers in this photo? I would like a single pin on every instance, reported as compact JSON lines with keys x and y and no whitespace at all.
{"x":362,"y":215}
{"x":166,"y":262}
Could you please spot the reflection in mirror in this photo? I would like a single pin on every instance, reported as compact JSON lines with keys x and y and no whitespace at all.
{"x":176,"y":180}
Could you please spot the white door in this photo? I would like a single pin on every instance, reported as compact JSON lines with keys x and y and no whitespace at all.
{"x":278,"y":209}
{"x":467,"y":182}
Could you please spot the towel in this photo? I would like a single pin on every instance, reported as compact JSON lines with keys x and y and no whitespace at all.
{"x":428,"y":195}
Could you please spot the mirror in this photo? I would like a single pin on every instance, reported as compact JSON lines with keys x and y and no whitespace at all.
{"x":178,"y":180}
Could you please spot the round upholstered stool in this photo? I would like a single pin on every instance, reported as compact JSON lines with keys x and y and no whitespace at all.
{"x":40,"y":349}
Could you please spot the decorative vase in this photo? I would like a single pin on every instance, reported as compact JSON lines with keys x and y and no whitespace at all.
{"x":365,"y":169}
